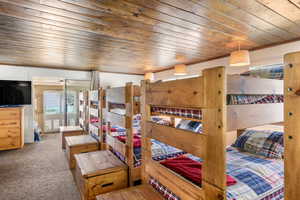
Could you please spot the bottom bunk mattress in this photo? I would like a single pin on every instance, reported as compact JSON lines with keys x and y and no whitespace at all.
{"x":255,"y":178}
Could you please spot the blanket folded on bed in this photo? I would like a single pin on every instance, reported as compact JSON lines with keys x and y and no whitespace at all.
{"x":137,"y":142}
{"x":190,"y":169}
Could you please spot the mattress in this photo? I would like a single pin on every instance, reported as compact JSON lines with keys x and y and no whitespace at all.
{"x":257,"y":178}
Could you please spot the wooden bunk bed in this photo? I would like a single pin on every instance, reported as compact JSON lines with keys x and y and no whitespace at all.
{"x":96,"y":106}
{"x":83,"y":110}
{"x":122,"y":105}
{"x":207,"y":94}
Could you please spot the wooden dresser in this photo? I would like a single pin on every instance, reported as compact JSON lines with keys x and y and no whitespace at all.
{"x":11,"y":128}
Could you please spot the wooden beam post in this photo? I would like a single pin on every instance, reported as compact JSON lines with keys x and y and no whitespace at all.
{"x":214,"y":126}
{"x":129,"y":100}
{"x":292,"y":126}
{"x":146,"y":142}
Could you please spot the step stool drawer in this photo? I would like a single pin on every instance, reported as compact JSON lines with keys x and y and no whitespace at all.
{"x":92,"y":186}
{"x":72,"y":150}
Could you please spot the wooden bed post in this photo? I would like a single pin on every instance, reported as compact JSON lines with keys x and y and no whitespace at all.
{"x":100,"y":111}
{"x":214,"y":126}
{"x":146,"y":142}
{"x":129,"y":129}
{"x":292,"y":126}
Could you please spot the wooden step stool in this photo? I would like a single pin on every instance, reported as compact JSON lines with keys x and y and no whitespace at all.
{"x":79,"y":144}
{"x":66,"y":131}
{"x":99,"y":172}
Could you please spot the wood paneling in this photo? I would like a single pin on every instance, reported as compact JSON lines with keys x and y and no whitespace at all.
{"x":134,"y":36}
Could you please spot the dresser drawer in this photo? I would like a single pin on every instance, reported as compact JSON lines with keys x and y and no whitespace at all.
{"x":9,"y":132}
{"x":10,"y":143}
{"x":10,"y":123}
{"x":11,"y":113}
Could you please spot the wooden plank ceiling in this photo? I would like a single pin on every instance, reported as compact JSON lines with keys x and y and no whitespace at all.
{"x":134,"y":36}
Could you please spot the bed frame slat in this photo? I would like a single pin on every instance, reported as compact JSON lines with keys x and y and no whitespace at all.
{"x":116,"y":119}
{"x":180,"y":186}
{"x":194,"y":143}
{"x":237,"y":84}
{"x":116,"y":95}
{"x":117,"y":145}
{"x":181,"y":93}
{"x":247,"y":116}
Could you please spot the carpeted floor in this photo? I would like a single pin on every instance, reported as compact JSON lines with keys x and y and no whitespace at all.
{"x":37,"y":172}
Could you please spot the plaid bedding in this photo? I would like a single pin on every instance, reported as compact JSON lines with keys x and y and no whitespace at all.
{"x":190,"y":113}
{"x":271,"y":72}
{"x":265,"y":143}
{"x":257,"y":178}
{"x":160,"y":151}
{"x":233,"y":99}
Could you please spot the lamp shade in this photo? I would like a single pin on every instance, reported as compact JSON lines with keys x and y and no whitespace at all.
{"x":149,"y":76}
{"x":180,"y":69}
{"x":240,"y":58}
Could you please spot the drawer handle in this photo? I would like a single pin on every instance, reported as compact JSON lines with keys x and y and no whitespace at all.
{"x":107,"y":184}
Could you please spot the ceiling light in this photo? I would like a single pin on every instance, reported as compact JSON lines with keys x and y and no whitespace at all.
{"x":149,"y":76}
{"x":239,"y":58}
{"x":180,"y":69}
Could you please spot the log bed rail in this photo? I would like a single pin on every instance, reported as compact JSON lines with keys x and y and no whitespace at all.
{"x":208,"y":94}
{"x":126,"y":98}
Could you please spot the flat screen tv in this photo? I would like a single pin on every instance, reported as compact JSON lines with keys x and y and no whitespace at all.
{"x":15,"y":93}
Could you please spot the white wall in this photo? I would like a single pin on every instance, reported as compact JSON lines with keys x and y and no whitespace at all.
{"x":118,"y":80}
{"x":27,"y":74}
{"x":262,"y":57}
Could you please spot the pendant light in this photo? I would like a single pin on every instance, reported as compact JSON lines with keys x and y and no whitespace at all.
{"x":180,"y":69}
{"x":149,"y":76}
{"x":240,"y":57}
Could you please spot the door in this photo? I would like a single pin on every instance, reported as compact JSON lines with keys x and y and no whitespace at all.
{"x":53,"y":110}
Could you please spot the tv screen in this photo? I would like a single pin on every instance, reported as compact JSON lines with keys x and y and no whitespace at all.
{"x":15,"y":93}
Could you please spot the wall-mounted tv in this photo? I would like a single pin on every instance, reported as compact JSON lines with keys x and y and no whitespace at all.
{"x":15,"y":93}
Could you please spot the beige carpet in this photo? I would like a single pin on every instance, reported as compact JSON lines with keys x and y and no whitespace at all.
{"x":37,"y":172}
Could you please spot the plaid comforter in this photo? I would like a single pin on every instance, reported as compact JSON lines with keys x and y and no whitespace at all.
{"x":257,"y":178}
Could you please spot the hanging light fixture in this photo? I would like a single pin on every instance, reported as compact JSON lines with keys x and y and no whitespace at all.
{"x":149,"y":76}
{"x":240,"y":57}
{"x":180,"y":69}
